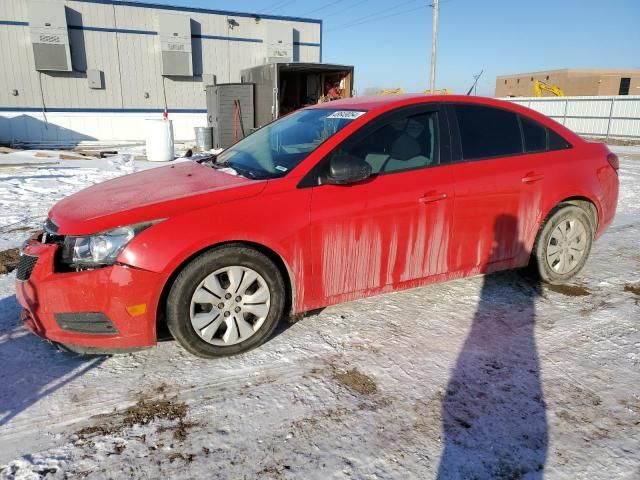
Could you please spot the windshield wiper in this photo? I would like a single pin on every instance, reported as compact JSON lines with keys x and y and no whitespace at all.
{"x":244,"y":172}
{"x":209,"y":160}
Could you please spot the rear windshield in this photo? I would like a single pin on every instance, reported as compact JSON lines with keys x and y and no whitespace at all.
{"x":276,"y":149}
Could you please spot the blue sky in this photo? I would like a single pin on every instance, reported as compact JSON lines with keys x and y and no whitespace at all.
{"x":499,"y":36}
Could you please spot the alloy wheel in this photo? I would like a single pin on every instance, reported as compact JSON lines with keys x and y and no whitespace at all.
{"x":566,"y":246}
{"x":230,"y":305}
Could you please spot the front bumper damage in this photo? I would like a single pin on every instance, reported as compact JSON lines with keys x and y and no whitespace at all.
{"x":104,"y":310}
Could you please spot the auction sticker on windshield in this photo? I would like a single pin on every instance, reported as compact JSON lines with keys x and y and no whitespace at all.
{"x":348,"y":114}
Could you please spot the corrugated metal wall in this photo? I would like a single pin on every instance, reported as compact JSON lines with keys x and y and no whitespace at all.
{"x":604,"y":117}
{"x":120,"y":39}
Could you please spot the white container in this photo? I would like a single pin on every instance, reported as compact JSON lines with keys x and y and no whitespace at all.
{"x":160,"y":147}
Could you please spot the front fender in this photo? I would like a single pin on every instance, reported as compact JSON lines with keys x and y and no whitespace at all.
{"x":278,"y":221}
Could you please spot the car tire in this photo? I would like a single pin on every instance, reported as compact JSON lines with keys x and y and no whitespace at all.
{"x":213,"y":309}
{"x":563,"y":244}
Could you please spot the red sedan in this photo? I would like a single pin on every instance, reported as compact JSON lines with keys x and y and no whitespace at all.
{"x":332,"y":203}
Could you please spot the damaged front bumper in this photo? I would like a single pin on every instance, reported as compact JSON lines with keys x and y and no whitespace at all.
{"x":91,"y":311}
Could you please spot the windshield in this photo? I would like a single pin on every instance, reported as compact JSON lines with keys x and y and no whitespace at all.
{"x":276,"y":149}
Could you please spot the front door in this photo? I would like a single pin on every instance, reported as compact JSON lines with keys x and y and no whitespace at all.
{"x":394,"y":227}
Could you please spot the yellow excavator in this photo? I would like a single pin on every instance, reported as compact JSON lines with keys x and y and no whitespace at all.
{"x":400,"y":91}
{"x":392,"y":91}
{"x":442,"y":91}
{"x":539,"y":86}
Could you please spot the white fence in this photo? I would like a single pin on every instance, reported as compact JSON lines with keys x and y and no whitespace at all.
{"x":603,"y":117}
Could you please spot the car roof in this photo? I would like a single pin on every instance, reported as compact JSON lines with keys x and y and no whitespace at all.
{"x":390,"y":101}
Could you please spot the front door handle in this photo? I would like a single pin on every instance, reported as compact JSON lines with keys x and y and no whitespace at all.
{"x":532,"y":178}
{"x":432,"y":197}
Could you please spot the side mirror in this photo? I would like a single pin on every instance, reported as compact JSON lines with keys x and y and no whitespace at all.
{"x":346,"y":169}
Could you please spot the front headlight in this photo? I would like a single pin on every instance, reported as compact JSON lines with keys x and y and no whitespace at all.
{"x":102,"y":248}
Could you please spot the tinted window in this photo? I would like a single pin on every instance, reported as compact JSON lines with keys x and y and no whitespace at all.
{"x":535,"y":135}
{"x":404,"y":143}
{"x":556,"y":142}
{"x":487,"y":132}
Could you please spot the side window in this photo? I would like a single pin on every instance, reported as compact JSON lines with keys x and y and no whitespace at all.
{"x":404,"y":143}
{"x":487,"y":132}
{"x":538,"y":138}
{"x":556,"y":142}
{"x":535,"y":135}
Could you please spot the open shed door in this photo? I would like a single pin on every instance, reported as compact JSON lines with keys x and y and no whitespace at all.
{"x":265,"y":79}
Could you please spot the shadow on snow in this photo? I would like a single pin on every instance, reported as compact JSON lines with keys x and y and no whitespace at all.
{"x":493,"y":411}
{"x":31,"y":368}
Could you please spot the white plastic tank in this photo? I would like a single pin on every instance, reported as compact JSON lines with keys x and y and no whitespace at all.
{"x":160,"y":147}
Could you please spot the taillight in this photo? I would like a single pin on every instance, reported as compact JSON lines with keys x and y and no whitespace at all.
{"x":613,"y":160}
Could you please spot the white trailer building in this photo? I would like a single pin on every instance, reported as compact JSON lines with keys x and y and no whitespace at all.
{"x":74,"y":70}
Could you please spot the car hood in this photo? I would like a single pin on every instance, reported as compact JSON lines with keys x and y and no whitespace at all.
{"x":148,"y":195}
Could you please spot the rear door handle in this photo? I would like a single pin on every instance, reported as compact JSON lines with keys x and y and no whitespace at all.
{"x":532,"y":178}
{"x":432,"y":197}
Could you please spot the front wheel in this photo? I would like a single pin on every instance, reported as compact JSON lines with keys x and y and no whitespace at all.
{"x":563,"y":244}
{"x":225,"y":301}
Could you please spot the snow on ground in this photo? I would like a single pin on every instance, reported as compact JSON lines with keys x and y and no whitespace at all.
{"x":488,"y":377}
{"x":31,"y":182}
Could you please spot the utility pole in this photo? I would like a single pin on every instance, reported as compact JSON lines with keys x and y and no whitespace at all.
{"x":434,"y":40}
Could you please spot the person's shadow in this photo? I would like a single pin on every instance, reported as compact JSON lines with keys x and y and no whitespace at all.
{"x":493,"y":411}
{"x":31,"y":369}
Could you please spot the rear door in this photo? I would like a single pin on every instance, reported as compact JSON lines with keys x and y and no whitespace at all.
{"x":498,"y":194}
{"x":394,"y":227}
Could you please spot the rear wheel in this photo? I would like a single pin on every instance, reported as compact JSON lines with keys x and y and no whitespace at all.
{"x":226,"y":301}
{"x":563,"y":244}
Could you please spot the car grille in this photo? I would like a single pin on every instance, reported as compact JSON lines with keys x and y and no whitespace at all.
{"x":25,"y":267}
{"x":50,"y":227}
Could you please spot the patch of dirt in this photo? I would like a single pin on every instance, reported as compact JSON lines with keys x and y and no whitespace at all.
{"x":180,"y":431}
{"x":601,"y":305}
{"x":568,"y":290}
{"x":142,"y":413}
{"x":365,"y":347}
{"x":273,"y":471}
{"x":43,"y":155}
{"x":20,"y":229}
{"x":324,"y":419}
{"x":9,"y":260}
{"x":64,"y":156}
{"x":620,"y":142}
{"x":309,"y":423}
{"x":633,"y":288}
{"x":179,"y":456}
{"x":146,"y":411}
{"x":357,"y":381}
{"x":428,"y":415}
{"x":632,"y":404}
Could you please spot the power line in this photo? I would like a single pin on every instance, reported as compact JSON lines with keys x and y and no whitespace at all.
{"x":364,"y":20}
{"x":282,"y":4}
{"x":374,"y":14}
{"x":323,"y":7}
{"x":349,"y":7}
{"x":276,"y":5}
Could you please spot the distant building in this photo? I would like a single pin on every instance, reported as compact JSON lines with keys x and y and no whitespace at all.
{"x":571,"y":81}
